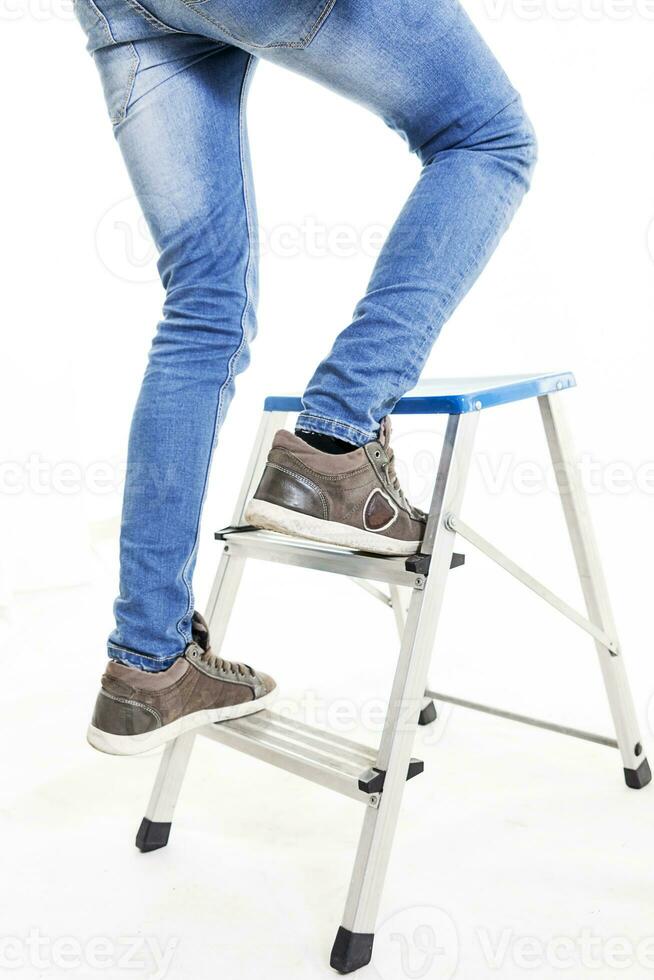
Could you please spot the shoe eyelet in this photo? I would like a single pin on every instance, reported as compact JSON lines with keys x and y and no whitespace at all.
{"x":377,"y":454}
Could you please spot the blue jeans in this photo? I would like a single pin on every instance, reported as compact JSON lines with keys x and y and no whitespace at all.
{"x":176,"y":75}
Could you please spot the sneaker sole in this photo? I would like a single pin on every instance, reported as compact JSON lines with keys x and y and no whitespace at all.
{"x":273,"y":517}
{"x":135,"y":744}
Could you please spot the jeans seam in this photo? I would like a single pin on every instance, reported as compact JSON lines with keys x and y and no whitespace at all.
{"x":326,"y":11}
{"x":333,"y":422}
{"x":101,"y":17}
{"x":301,"y":43}
{"x":146,"y":656}
{"x":141,"y":661}
{"x":130,"y":84}
{"x":220,"y":46}
{"x":151,"y":19}
{"x":234,"y":358}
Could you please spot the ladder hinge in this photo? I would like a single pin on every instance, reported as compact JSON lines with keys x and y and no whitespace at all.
{"x":372,"y":780}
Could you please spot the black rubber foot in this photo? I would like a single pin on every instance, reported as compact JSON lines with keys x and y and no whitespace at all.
{"x":351,"y":950}
{"x":638,"y":778}
{"x":428,"y":714}
{"x":152,"y":836}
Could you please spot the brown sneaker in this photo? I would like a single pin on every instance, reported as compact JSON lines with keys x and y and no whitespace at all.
{"x":137,"y":710}
{"x":353,"y":500}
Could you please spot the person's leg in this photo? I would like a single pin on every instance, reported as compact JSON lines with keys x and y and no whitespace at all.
{"x":176,"y":101}
{"x":424,"y":69}
{"x":177,"y":104}
{"x":194,"y":186}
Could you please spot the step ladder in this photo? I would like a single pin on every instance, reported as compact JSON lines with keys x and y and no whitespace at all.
{"x":375,"y":776}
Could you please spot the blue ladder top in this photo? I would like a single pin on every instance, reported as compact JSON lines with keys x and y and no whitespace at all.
{"x":456,"y":396}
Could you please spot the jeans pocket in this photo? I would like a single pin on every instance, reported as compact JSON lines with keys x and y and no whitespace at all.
{"x":265,"y":23}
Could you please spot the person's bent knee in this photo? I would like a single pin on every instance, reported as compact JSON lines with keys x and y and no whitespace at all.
{"x":516,"y":140}
{"x":507,"y":135}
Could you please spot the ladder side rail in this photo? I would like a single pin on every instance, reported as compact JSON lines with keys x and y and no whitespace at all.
{"x":594,"y":587}
{"x":408,"y":687}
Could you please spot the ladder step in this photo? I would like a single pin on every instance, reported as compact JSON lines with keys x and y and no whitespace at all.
{"x":247,"y":542}
{"x":322,"y":757}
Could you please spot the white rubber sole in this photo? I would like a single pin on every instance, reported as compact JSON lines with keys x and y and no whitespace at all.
{"x":273,"y":517}
{"x":134,"y":744}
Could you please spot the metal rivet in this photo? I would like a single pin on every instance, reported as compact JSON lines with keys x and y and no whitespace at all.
{"x":478,"y":406}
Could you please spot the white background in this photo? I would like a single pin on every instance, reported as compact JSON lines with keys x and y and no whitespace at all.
{"x":511,"y":833}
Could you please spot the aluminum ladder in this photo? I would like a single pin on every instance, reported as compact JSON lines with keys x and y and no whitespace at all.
{"x":375,"y":777}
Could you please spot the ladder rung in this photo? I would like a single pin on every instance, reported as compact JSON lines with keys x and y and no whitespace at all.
{"x":267,"y":730}
{"x":298,"y":748}
{"x":323,"y":740}
{"x":270,"y":546}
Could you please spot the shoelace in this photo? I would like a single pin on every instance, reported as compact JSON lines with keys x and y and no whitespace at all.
{"x":201,"y":638}
{"x":226,"y":666}
{"x":394,"y":481}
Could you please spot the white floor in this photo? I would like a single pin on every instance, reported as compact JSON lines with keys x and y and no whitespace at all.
{"x":520,"y":853}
